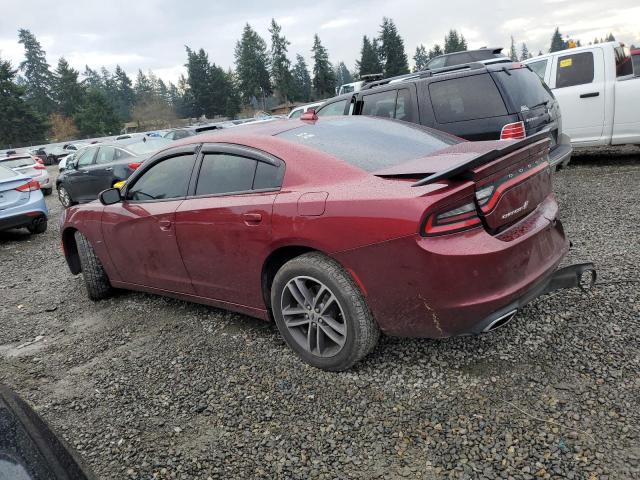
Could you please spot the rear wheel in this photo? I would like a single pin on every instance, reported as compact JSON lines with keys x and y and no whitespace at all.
{"x":47,"y":191}
{"x":95,"y":278}
{"x":39,"y":227}
{"x":65,"y":197}
{"x":321,"y":313}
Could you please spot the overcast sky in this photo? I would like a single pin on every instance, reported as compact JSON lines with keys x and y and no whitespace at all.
{"x":151,"y":34}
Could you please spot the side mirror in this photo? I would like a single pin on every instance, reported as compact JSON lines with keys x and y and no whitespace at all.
{"x":110,"y":196}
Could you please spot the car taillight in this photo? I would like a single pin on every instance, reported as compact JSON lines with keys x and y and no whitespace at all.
{"x":134,"y":165}
{"x":513,"y":131}
{"x":39,"y":166}
{"x":39,"y":160}
{"x":452,"y":220}
{"x":28,"y":187}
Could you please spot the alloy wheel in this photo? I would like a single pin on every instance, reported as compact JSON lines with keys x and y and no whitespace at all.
{"x":64,"y":198}
{"x":313,"y":316}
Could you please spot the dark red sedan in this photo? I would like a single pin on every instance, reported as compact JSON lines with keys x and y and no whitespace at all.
{"x":338,"y":228}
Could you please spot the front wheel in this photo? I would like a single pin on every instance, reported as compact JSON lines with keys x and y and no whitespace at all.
{"x":95,"y":278}
{"x":321,"y":313}
{"x":65,"y":197}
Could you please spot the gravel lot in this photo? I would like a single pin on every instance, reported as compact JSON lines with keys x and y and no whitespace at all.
{"x":148,"y":387}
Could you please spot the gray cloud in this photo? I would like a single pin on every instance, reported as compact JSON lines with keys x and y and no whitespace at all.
{"x":152,"y":34}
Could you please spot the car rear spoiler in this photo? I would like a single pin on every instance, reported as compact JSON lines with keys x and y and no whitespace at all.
{"x":459,"y":170}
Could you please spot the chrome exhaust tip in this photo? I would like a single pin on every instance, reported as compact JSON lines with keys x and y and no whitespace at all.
{"x":500,"y":321}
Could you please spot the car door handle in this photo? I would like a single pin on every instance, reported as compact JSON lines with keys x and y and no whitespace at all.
{"x":252,"y":218}
{"x":165,"y":225}
{"x":108,"y":169}
{"x":589,"y":95}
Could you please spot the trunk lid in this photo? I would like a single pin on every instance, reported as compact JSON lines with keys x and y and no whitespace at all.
{"x":9,"y":196}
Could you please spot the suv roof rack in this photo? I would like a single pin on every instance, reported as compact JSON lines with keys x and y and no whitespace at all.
{"x":424,"y":74}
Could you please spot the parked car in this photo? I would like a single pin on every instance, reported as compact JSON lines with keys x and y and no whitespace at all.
{"x":62,"y":164}
{"x":28,"y":165}
{"x":598,"y":94}
{"x":298,"y":111}
{"x":338,"y":228}
{"x":180,"y":133}
{"x":485,"y":55}
{"x":74,"y":146}
{"x":52,"y":154}
{"x":97,"y":167}
{"x":473,"y":101}
{"x":30,"y":449}
{"x":21,"y":202}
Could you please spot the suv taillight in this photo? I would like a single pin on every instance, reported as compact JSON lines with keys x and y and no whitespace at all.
{"x":513,"y":131}
{"x":39,"y":166}
{"x":452,"y":220}
{"x":28,"y":187}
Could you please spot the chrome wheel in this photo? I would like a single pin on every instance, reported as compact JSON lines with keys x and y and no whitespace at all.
{"x":313,"y":316}
{"x":64,"y":197}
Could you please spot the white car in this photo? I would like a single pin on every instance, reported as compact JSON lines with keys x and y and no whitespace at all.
{"x":298,"y":111}
{"x":27,"y":165}
{"x":598,"y":93}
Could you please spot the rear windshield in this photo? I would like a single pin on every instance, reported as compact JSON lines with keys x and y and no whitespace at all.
{"x":17,"y":162}
{"x":466,"y":98}
{"x":148,"y":146}
{"x":369,"y":143}
{"x":6,"y":173}
{"x":525,"y":89}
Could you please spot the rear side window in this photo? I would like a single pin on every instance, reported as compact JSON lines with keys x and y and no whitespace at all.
{"x":296,"y":114}
{"x":538,"y":67}
{"x":223,"y":173}
{"x":576,"y":69}
{"x":336,"y":108}
{"x":525,"y":89}
{"x":105,"y":155}
{"x":459,"y":59}
{"x":165,"y":180}
{"x":623,"y":62}
{"x":466,"y":98}
{"x":369,"y":143}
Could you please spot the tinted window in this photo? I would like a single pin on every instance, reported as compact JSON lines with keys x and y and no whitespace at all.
{"x":86,"y":157}
{"x":381,"y":104}
{"x":524,"y":88}
{"x":403,"y":105}
{"x":268,"y":176}
{"x":466,"y":98}
{"x":459,"y":59}
{"x":166,"y":179}
{"x":120,"y":154}
{"x":574,"y":69}
{"x":296,"y":114}
{"x":636,"y":64}
{"x":538,"y":67}
{"x":223,"y":173}
{"x":623,"y":62}
{"x":369,"y":143}
{"x":105,"y":155}
{"x":336,"y":108}
{"x":437,"y":62}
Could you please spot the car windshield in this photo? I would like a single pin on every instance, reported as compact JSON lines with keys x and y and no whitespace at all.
{"x":17,"y":162}
{"x":148,"y":146}
{"x":369,"y":143}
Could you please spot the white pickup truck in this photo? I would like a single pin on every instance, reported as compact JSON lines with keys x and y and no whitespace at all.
{"x":598,"y":93}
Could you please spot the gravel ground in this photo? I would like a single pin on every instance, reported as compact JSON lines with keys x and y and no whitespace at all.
{"x":148,"y":387}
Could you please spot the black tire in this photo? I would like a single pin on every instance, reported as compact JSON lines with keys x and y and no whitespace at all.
{"x":38,"y":228}
{"x":362,"y":332}
{"x":95,"y":278}
{"x":47,"y":191}
{"x":65,"y":197}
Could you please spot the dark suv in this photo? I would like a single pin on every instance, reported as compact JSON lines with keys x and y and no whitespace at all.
{"x":472,"y":101}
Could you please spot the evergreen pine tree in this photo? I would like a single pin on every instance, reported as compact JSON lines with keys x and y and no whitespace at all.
{"x":19,"y":123}
{"x":342,"y":74}
{"x":38,"y":78}
{"x":67,"y":91}
{"x":513,"y":53}
{"x":280,"y":64}
{"x":324,"y":82}
{"x":524,"y":52}
{"x":252,"y":66}
{"x":454,"y":42}
{"x":610,"y":37}
{"x":95,"y":116}
{"x":392,"y":51}
{"x":301,"y":80}
{"x":421,"y":58}
{"x":369,"y":58}
{"x":556,"y":41}
{"x":436,"y":51}
{"x":125,"y":94}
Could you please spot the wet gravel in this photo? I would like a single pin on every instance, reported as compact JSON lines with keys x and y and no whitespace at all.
{"x":147,"y":387}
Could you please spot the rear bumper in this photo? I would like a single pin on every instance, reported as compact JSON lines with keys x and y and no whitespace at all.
{"x":581,"y":275}
{"x":22,"y":220}
{"x":34,"y":210}
{"x":561,"y":154}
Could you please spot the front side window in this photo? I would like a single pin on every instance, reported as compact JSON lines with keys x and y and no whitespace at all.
{"x":166,"y":179}
{"x":539,"y":67}
{"x":576,"y":69}
{"x":336,"y":108}
{"x":466,"y":98}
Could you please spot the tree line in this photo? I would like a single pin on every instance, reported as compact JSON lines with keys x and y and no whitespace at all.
{"x":38,"y":102}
